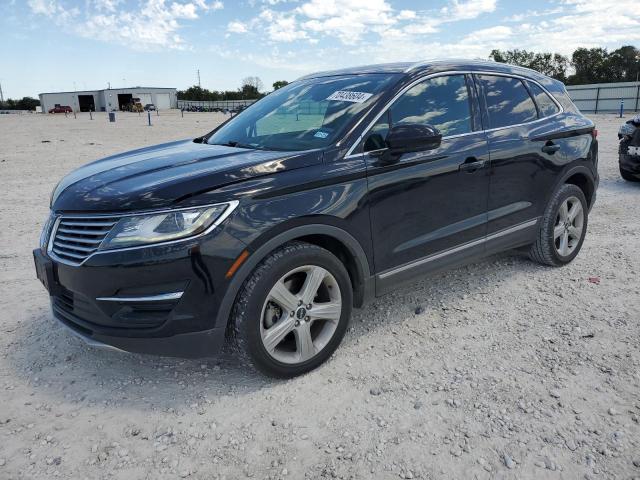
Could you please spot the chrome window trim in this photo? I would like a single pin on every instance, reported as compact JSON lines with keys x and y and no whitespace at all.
{"x":147,"y":298}
{"x":232,"y":205}
{"x":456,"y":72}
{"x":456,"y":249}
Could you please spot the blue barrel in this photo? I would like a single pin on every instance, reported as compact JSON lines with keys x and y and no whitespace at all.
{"x":112,"y":116}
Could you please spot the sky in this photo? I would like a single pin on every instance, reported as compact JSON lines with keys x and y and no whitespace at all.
{"x":64,"y":45}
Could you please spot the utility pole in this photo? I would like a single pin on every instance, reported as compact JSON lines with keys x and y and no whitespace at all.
{"x":199,"y":86}
{"x":1,"y":96}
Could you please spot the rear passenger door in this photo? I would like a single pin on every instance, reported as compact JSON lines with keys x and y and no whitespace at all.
{"x":524,"y":163}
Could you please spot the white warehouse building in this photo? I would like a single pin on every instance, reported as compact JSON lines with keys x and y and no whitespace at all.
{"x":111,"y":99}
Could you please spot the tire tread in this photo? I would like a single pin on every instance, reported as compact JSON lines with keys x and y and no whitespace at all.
{"x":542,"y":251}
{"x":239,"y":314}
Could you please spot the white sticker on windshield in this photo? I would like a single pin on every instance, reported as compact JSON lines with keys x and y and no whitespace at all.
{"x":346,"y":96}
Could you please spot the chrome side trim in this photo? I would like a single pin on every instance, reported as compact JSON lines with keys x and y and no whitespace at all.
{"x":148,"y":298}
{"x":457,"y":72}
{"x":232,"y":204}
{"x":459,"y":248}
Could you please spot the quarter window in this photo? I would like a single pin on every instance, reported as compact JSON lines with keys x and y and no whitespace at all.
{"x":442,"y":102}
{"x":546,"y":106}
{"x":508,"y":101}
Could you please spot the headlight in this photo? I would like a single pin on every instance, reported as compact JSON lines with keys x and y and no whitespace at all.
{"x":137,"y":230}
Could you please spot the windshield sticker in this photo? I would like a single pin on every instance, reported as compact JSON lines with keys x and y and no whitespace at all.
{"x":346,"y":96}
{"x":321,"y":134}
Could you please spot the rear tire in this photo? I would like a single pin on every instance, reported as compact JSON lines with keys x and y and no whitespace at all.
{"x":293,"y":311}
{"x":562,"y":228}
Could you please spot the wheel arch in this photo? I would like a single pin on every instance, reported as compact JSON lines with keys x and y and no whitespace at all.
{"x":339,"y":242}
{"x":582,"y":178}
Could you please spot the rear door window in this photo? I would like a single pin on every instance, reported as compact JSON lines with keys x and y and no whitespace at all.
{"x":546,"y":106}
{"x":508,"y":101}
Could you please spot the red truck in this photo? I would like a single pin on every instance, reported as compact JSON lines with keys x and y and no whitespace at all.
{"x":61,"y":109}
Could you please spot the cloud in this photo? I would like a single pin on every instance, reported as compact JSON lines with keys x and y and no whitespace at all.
{"x":491,"y":34}
{"x":346,"y":19}
{"x":469,"y":9}
{"x":151,"y":24}
{"x":236,"y":27}
{"x":406,"y":15}
{"x":283,"y":27}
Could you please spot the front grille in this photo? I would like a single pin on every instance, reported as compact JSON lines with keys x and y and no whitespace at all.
{"x":75,"y":238}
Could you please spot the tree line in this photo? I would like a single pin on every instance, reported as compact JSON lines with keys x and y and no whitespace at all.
{"x":586,"y":65}
{"x":251,"y":89}
{"x":25,"y":103}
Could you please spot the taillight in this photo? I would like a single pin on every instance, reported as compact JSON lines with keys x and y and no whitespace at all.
{"x":594,"y":133}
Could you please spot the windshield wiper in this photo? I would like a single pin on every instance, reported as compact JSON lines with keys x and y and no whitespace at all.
{"x":233,"y":143}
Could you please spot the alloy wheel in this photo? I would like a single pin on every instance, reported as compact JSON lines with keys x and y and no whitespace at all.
{"x":300,"y":314}
{"x":567,"y":231}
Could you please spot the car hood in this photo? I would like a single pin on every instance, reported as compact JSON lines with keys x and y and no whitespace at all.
{"x":162,"y":175}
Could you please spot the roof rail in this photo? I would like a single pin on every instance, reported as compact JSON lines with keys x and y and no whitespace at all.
{"x":422,"y":63}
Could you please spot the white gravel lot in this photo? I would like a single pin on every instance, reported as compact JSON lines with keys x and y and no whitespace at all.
{"x":510,"y":370}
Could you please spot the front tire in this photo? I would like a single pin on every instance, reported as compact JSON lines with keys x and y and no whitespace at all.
{"x":562,"y":228}
{"x":628,"y":176}
{"x":293,"y":311}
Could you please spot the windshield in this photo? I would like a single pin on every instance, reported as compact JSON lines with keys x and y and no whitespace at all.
{"x":303,"y":115}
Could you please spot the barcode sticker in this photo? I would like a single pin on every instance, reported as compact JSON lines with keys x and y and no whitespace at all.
{"x":346,"y":96}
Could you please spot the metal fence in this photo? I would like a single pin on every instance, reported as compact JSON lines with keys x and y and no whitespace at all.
{"x":209,"y":105}
{"x":606,"y":97}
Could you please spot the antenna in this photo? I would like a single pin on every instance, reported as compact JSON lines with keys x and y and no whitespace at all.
{"x":199,"y":78}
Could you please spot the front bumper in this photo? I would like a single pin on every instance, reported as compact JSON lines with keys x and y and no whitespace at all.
{"x":128,"y":300}
{"x":630,"y":163}
{"x":186,"y":345}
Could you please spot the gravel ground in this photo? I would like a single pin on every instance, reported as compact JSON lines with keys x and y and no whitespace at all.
{"x":502,"y":369}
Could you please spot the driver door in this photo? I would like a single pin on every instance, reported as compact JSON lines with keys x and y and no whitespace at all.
{"x":428,"y":208}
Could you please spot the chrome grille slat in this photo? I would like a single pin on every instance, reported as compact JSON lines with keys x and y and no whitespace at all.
{"x":89,"y":241}
{"x":71,"y":246}
{"x":76,"y":237}
{"x":68,"y":254}
{"x":77,"y":231}
{"x":86,"y":224}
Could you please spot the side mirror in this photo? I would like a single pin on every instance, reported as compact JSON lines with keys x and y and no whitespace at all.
{"x":412,"y":137}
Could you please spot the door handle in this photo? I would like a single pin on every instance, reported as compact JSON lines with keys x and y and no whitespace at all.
{"x":550,"y":148}
{"x":471,"y":164}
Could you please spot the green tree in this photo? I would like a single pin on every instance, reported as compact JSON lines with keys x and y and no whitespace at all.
{"x":551,"y":64}
{"x":279,"y":84}
{"x":590,"y":65}
{"x":623,"y":64}
{"x":25,"y":103}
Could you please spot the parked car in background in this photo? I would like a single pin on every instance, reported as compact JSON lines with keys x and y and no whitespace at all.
{"x":150,"y":107}
{"x":61,"y":109}
{"x":629,"y":149}
{"x":268,"y":230}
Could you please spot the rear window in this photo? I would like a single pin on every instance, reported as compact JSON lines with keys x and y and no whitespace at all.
{"x":546,"y":106}
{"x":508,"y":102}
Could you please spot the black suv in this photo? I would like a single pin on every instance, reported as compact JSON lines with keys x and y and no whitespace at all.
{"x":325,"y":193}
